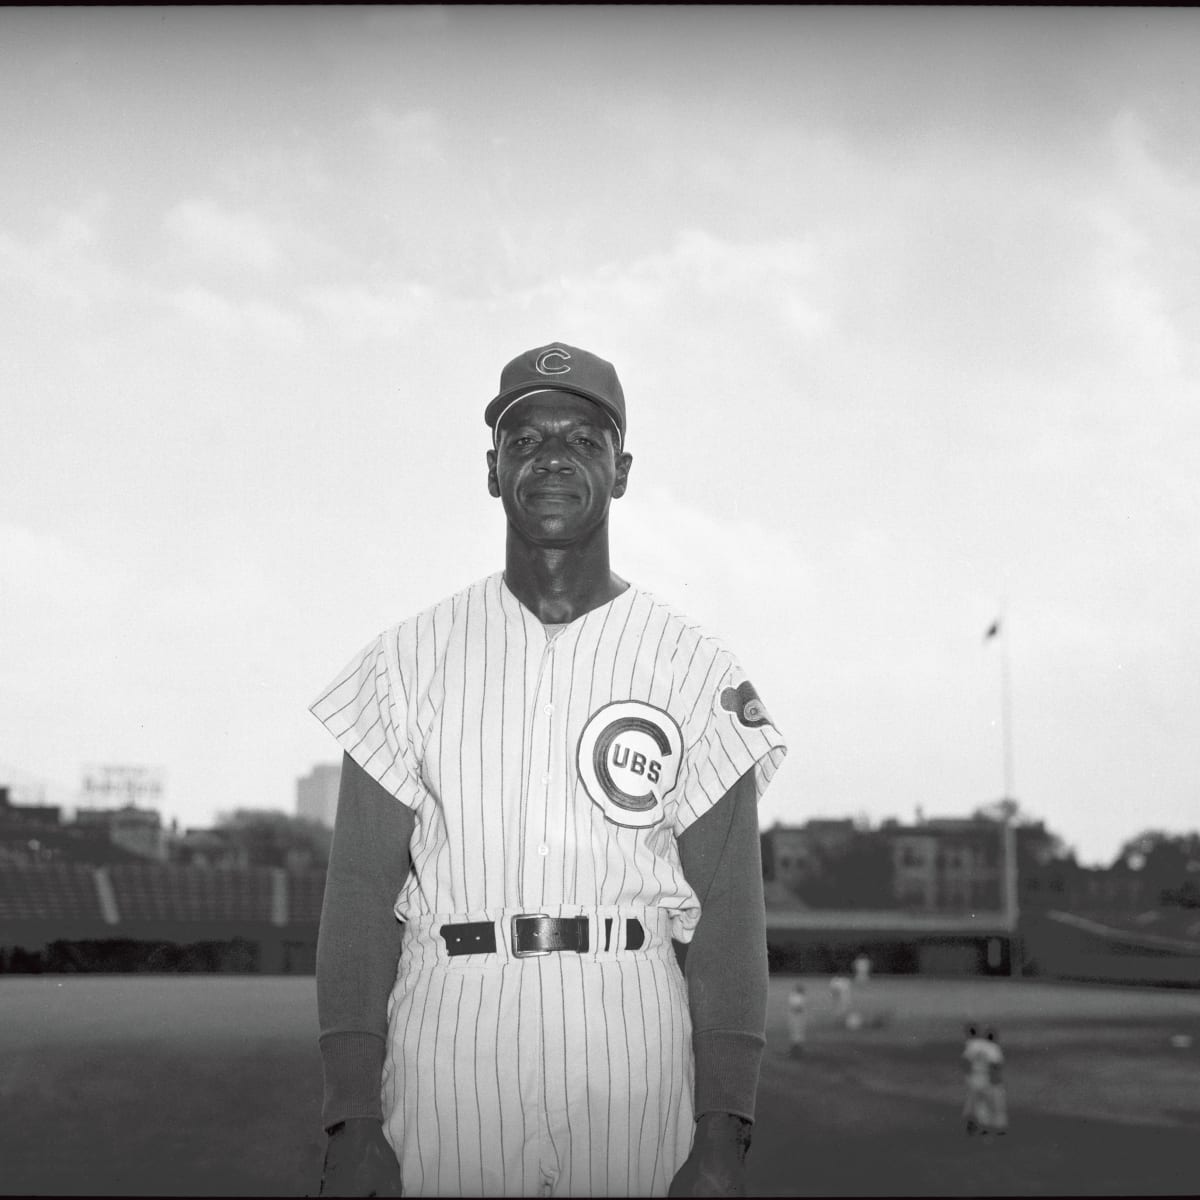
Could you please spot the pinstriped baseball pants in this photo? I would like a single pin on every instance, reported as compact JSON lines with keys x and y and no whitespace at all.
{"x":562,"y":1075}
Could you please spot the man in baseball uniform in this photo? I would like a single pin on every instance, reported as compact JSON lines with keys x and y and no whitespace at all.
{"x":862,"y":968}
{"x":839,"y":990}
{"x":548,"y":805}
{"x":976,"y":1061}
{"x":797,"y":1011}
{"x":997,"y":1092}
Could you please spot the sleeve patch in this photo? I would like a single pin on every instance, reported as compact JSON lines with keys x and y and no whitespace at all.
{"x":744,"y":703}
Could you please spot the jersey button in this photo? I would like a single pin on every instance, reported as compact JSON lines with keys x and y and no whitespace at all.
{"x":549,"y":710}
{"x":546,"y":778}
{"x":543,"y":850}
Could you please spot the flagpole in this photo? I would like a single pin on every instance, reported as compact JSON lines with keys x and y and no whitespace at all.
{"x":1008,"y":833}
{"x":999,"y":630}
{"x":1006,"y":710}
{"x":1011,"y":912}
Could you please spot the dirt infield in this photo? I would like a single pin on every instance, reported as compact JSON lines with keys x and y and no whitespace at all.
{"x":211,"y":1086}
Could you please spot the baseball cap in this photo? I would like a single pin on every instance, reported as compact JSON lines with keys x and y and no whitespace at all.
{"x":563,"y":368}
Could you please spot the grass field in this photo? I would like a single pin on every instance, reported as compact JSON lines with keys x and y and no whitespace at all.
{"x":126,"y":1085}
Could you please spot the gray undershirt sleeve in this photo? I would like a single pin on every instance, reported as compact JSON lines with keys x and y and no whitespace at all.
{"x":358,"y":946}
{"x":726,"y":961}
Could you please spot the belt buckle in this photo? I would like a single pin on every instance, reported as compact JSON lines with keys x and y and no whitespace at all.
{"x":516,"y":949}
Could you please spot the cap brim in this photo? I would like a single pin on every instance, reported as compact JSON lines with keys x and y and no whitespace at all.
{"x":502,"y":401}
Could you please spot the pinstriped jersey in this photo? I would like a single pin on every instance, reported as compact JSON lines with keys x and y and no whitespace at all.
{"x":549,"y":767}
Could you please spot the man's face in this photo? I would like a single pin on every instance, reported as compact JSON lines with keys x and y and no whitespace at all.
{"x":556,"y":467}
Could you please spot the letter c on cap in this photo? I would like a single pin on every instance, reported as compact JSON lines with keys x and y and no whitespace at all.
{"x":546,"y":364}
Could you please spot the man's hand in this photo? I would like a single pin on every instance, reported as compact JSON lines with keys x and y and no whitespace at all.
{"x":717,"y":1163}
{"x":359,"y":1161}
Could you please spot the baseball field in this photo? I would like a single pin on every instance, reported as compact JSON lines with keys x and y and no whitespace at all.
{"x":120,"y":1085}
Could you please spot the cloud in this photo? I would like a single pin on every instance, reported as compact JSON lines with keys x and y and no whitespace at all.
{"x":203,"y":230}
{"x":36,"y":566}
{"x":358,"y":312}
{"x":779,"y":280}
{"x":415,"y":135}
{"x":691,"y":547}
{"x":714,"y":568}
{"x":65,"y":264}
{"x":127,"y":660}
{"x":53,"y":594}
{"x":1146,"y":222}
{"x":235,"y":318}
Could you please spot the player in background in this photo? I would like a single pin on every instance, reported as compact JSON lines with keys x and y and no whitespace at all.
{"x":997,"y":1110}
{"x":862,"y":967}
{"x":976,"y":1060}
{"x":797,"y":1003}
{"x":839,"y":990}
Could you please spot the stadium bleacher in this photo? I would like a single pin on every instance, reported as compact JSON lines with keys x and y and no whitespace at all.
{"x":49,"y":892}
{"x":159,"y":893}
{"x":306,"y":891}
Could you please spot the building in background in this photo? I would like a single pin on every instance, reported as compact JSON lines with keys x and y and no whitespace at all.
{"x":216,"y":849}
{"x":947,"y":865}
{"x":317,"y":792}
{"x":38,"y":833}
{"x":941,"y":865}
{"x":798,"y":855}
{"x":110,"y":785}
{"x":138,"y":830}
{"x":48,"y":815}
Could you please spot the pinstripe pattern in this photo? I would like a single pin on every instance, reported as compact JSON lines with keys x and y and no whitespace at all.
{"x":507,"y":1077}
{"x":569,"y":1074}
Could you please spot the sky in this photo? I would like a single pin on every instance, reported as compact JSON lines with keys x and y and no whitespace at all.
{"x":904,"y":303}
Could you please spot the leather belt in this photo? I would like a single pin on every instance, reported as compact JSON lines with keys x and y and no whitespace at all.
{"x":535,"y":934}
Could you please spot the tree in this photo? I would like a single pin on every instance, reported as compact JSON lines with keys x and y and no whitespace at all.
{"x":1000,"y":811}
{"x":277,"y":839}
{"x":1170,"y":864}
{"x":856,"y":874}
{"x":1036,"y":845}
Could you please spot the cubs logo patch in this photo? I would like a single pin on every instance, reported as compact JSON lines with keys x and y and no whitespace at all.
{"x":552,"y":362}
{"x":629,"y":758}
{"x":744,"y":703}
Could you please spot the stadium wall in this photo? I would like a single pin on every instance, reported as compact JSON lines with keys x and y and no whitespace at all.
{"x":820,"y":941}
{"x":67,"y":918}
{"x":63,"y":917}
{"x":1067,"y":946}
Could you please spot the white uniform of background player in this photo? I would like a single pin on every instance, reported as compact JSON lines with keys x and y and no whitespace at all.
{"x":839,"y":990}
{"x":797,"y":1004}
{"x":997,"y":1093}
{"x":977,"y":1060}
